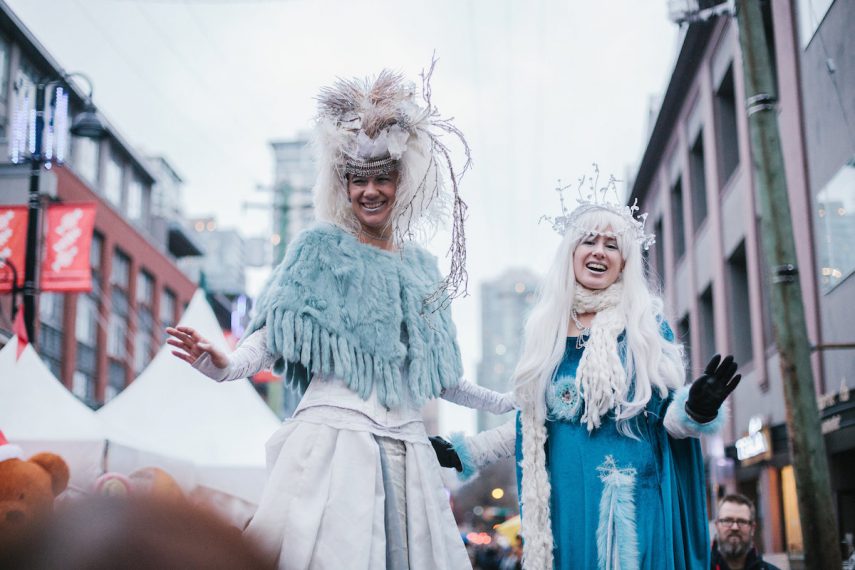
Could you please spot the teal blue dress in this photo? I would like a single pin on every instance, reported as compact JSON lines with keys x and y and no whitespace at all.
{"x":641,"y":499}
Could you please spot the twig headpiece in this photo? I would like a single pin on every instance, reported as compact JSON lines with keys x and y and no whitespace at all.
{"x":595,"y":197}
{"x":372,"y":126}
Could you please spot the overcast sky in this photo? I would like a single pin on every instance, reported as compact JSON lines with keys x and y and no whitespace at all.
{"x":541,"y":88}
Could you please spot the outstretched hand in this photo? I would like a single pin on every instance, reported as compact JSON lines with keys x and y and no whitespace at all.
{"x":708,"y":392}
{"x":445,"y":453}
{"x":191,"y":345}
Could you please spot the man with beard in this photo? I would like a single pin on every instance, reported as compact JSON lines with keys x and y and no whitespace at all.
{"x":733,"y":548}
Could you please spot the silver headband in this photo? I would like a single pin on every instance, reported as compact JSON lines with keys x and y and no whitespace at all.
{"x":366,"y":168}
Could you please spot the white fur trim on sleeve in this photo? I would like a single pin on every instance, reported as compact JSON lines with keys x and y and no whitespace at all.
{"x":680,"y":425}
{"x":485,"y":448}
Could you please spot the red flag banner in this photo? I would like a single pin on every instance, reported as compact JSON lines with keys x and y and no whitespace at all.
{"x":65,"y":266}
{"x":13,"y":242}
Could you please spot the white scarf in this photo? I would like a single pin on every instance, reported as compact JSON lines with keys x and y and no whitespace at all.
{"x":601,"y":377}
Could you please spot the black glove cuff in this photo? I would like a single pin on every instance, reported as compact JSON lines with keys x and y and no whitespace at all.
{"x":701,"y":419}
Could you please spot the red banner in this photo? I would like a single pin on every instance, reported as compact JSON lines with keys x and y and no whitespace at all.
{"x":68,"y":238}
{"x":13,"y":240}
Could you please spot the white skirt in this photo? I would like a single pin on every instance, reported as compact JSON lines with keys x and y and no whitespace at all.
{"x":325,"y":503}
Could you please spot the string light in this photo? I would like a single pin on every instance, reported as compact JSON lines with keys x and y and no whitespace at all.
{"x":61,"y":123}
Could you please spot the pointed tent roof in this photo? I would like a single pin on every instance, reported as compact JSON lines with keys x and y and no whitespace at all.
{"x":173,"y":410}
{"x":38,"y":413}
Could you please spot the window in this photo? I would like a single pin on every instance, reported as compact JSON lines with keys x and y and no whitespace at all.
{"x":739,"y":306}
{"x":697,"y":177}
{"x":120,"y":273}
{"x":89,"y":304}
{"x":145,"y":321}
{"x":117,"y":326}
{"x":117,"y":330}
{"x":51,"y":307}
{"x":25,"y":85}
{"x":677,"y":224}
{"x":706,"y":324}
{"x":115,"y":380}
{"x":112,"y":183}
{"x":86,"y":323}
{"x":135,"y":209}
{"x":145,"y":289}
{"x":96,"y":248}
{"x":167,"y":309}
{"x":727,"y":137}
{"x":4,"y":66}
{"x":86,"y":329}
{"x":83,"y":386}
{"x":835,"y":228}
{"x":5,"y":108}
{"x":83,"y":382}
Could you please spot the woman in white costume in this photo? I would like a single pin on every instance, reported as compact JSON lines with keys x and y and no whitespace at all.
{"x":357,"y":316}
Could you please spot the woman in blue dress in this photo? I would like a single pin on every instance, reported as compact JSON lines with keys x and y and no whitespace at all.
{"x":609,"y":465}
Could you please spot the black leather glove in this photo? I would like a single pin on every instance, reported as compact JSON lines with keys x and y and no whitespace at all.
{"x":445,"y":453}
{"x":708,"y":392}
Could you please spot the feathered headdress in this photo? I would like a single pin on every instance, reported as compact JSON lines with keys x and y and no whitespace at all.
{"x":371,"y":126}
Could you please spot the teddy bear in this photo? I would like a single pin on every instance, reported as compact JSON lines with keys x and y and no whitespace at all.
{"x":27,"y":488}
{"x":147,"y":481}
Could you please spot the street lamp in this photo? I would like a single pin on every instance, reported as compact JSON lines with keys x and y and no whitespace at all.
{"x":31,"y":134}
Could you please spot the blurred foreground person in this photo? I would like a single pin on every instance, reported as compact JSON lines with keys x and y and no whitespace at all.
{"x":733,"y":548}
{"x":610,"y":468}
{"x":357,"y":317}
{"x":106,"y":533}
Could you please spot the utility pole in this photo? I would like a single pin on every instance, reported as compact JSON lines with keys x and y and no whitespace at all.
{"x":810,"y":462}
{"x":277,"y":400}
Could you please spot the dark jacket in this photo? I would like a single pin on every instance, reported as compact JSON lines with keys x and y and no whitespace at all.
{"x":753,"y":560}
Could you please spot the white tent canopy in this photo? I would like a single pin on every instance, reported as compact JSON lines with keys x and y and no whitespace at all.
{"x":174,"y":411}
{"x":38,"y":413}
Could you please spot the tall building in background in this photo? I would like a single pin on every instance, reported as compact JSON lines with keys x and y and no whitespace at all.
{"x":222,"y":272}
{"x":294,"y":174}
{"x":505,"y":304}
{"x":696,"y":182}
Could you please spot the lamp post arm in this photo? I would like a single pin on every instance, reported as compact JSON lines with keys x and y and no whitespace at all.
{"x":76,"y":74}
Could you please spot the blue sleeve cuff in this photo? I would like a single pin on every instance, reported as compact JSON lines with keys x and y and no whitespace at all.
{"x":681,"y":396}
{"x":458,"y":440}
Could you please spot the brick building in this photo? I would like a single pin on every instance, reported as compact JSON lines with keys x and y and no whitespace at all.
{"x":96,"y":342}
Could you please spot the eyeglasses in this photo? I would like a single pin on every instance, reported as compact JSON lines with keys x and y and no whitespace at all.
{"x":741,"y":523}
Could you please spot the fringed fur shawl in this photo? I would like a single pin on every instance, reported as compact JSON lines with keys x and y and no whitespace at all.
{"x":339,"y":307}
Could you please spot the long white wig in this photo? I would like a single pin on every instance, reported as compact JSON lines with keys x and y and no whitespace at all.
{"x":652,"y":362}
